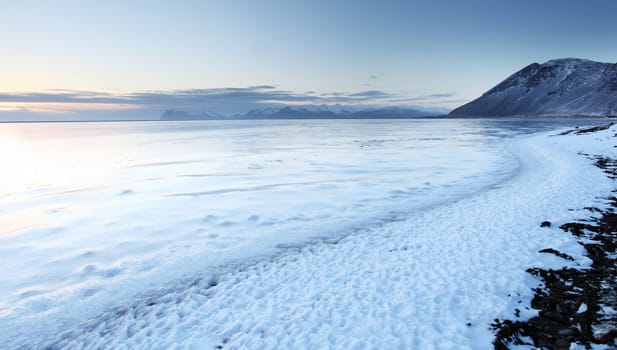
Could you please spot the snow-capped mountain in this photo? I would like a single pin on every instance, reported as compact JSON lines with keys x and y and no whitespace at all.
{"x":337,"y":111}
{"x":307,"y":112}
{"x":174,"y":114}
{"x":299,"y":111}
{"x":566,"y":86}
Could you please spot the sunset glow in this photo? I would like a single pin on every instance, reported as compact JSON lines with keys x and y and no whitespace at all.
{"x":62,"y":107}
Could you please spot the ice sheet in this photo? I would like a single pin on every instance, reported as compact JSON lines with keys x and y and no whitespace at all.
{"x":122,"y":219}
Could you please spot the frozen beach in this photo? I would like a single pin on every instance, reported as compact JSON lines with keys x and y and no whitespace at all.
{"x":329,"y":234}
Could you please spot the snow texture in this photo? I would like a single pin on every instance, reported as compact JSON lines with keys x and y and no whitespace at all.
{"x":157,"y":274}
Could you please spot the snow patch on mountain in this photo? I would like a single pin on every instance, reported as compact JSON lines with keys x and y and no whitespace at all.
{"x":567,"y":86}
{"x":173,"y":114}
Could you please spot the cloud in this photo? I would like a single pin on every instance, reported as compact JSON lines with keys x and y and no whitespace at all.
{"x":432,"y":96}
{"x":62,"y":96}
{"x":371,"y":94}
{"x":447,"y":94}
{"x":376,"y":76}
{"x":263,"y":87}
{"x":229,"y":100}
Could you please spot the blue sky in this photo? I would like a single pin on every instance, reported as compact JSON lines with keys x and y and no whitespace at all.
{"x":92,"y":58}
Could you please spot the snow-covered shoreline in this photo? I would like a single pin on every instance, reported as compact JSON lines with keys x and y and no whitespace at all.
{"x":95,"y":217}
{"x":434,"y":280}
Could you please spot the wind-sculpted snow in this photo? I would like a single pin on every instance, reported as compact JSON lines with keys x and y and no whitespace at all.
{"x":558,"y":87}
{"x":322,"y":235}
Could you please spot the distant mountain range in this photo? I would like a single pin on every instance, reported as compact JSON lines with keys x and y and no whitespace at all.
{"x":559,"y":87}
{"x":307,"y":112}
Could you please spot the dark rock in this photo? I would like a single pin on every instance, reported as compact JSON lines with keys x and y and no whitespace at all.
{"x":559,"y":323}
{"x":608,"y":337}
{"x":552,"y":315}
{"x":558,"y":253}
{"x":568,"y":332}
{"x":594,"y":129}
{"x":562,"y":344}
{"x":545,"y":224}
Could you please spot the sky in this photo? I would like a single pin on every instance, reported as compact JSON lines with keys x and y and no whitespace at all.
{"x":134,"y":59}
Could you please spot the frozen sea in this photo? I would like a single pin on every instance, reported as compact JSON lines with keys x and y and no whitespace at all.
{"x":101,"y":220}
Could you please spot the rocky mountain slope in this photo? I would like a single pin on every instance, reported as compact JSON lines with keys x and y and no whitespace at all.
{"x":558,"y":87}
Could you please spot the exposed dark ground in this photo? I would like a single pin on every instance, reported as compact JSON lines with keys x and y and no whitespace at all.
{"x":571,"y":300}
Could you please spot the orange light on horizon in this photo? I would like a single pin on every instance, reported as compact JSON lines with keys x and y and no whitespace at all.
{"x":63,"y":107}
